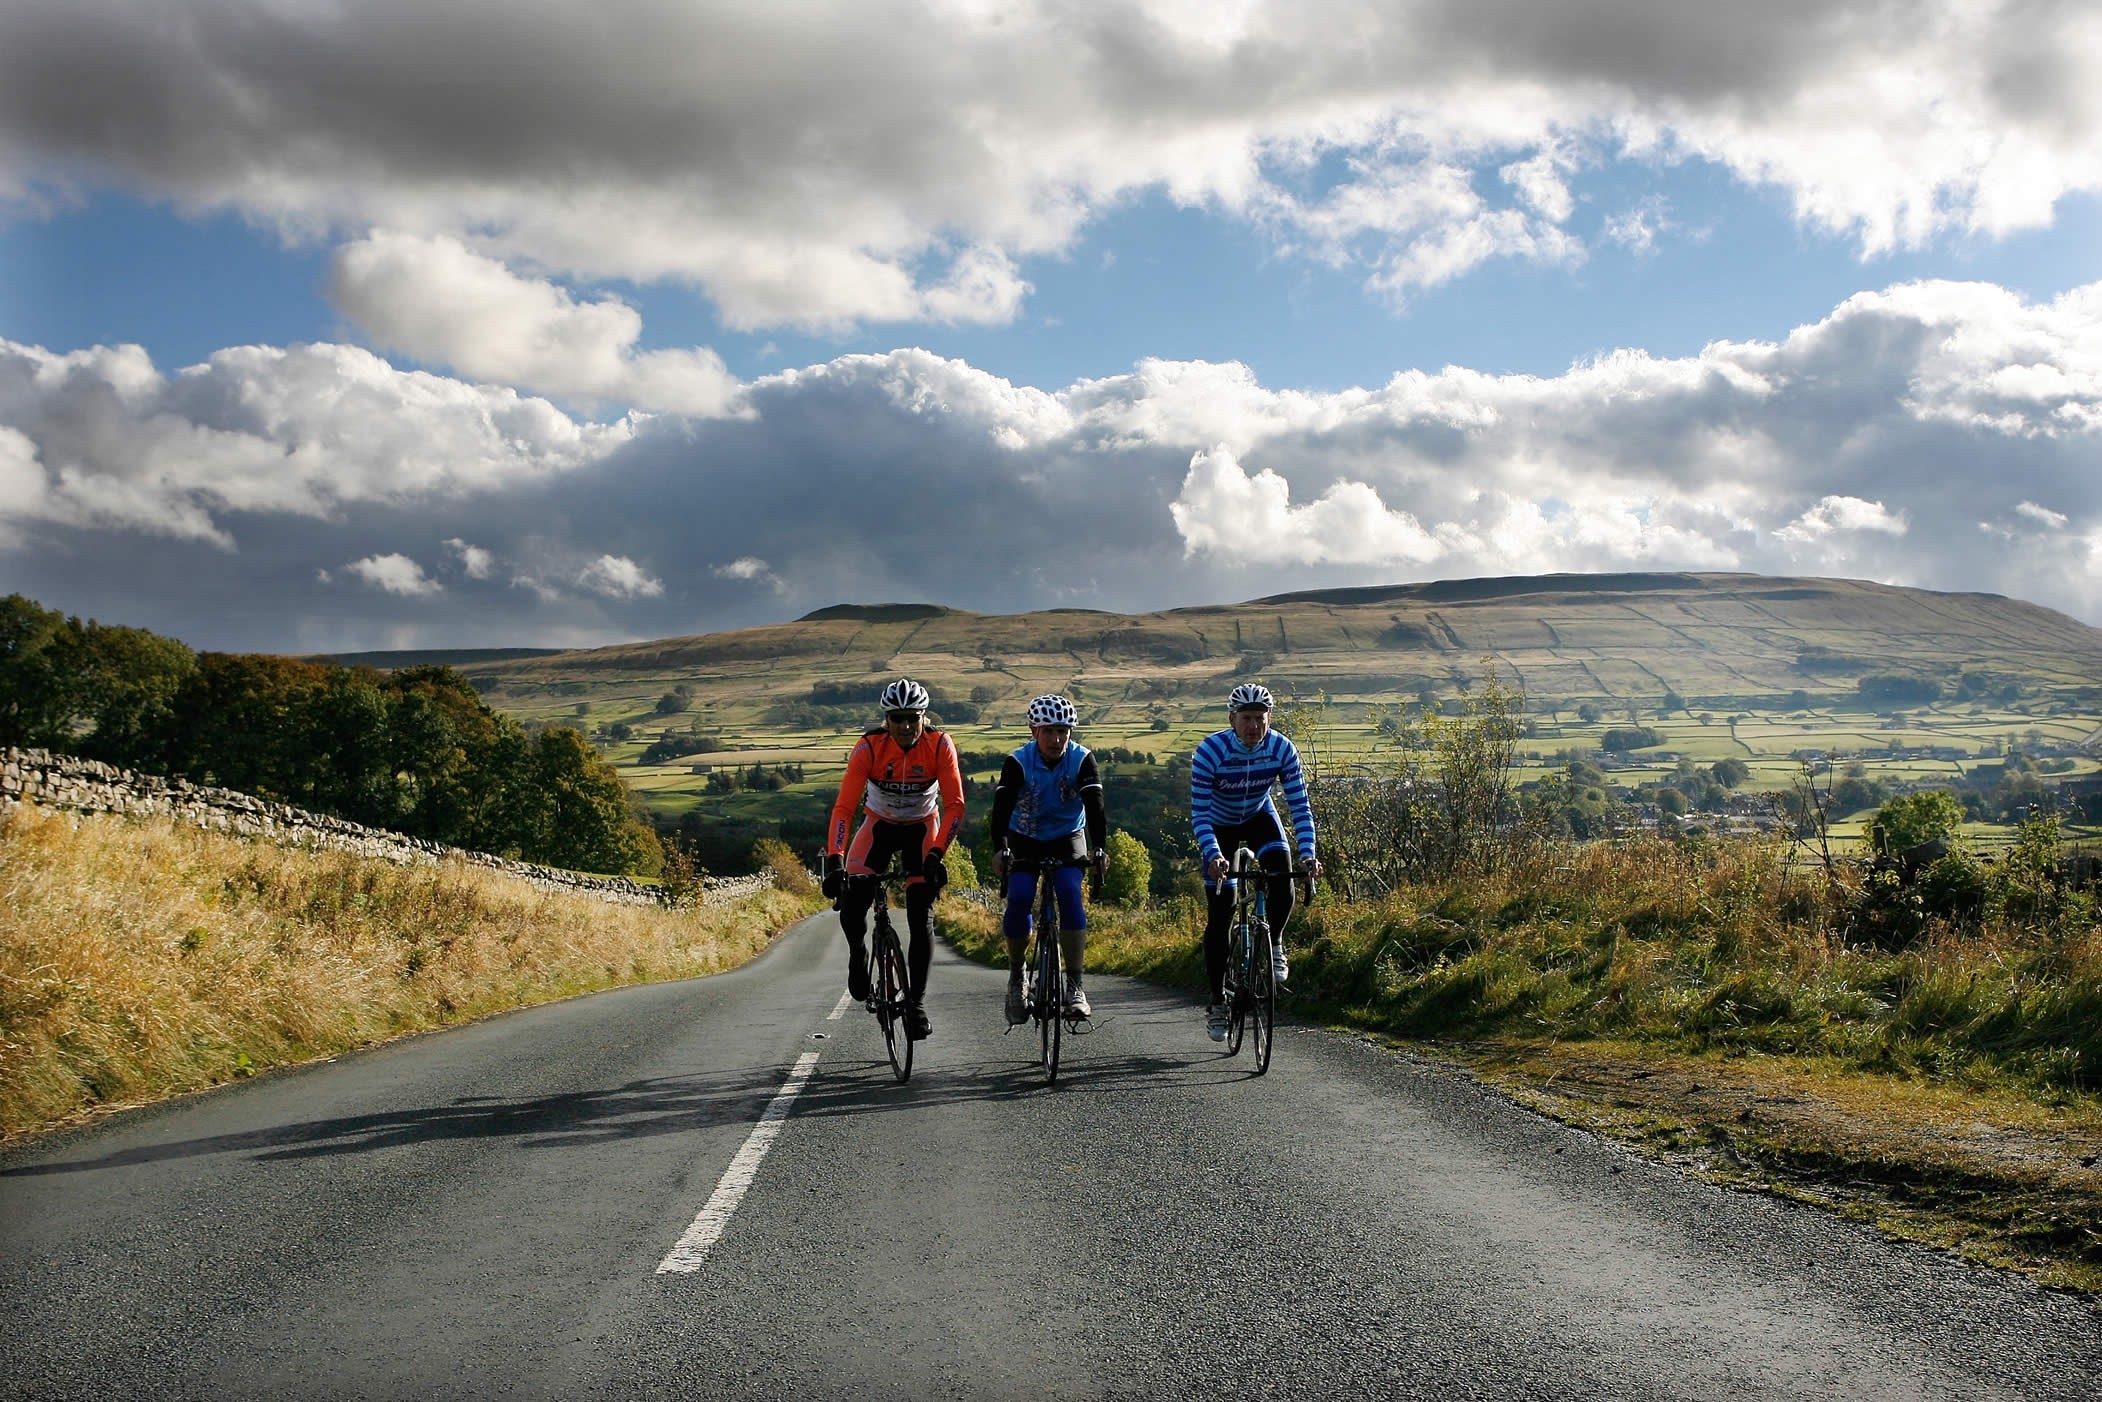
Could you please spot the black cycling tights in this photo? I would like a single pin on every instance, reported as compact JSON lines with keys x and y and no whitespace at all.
{"x":1218,"y":914}
{"x":854,"y":903}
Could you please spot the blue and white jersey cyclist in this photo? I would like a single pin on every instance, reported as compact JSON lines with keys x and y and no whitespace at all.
{"x":1047,"y":806}
{"x":1231,"y":777}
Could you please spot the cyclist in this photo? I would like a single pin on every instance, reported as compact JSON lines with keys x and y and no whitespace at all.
{"x":1231,"y":775}
{"x":1047,"y":802}
{"x":907,"y":777}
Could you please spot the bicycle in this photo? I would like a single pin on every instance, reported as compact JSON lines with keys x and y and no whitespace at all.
{"x":1250,"y":989}
{"x":1047,"y":996}
{"x":888,"y":981}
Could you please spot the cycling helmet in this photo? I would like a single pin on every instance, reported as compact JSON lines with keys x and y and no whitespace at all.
{"x":904,"y":694}
{"x":1250,"y":696}
{"x":1052,"y":710}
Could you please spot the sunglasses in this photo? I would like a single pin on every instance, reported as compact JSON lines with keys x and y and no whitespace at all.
{"x":905,"y":717}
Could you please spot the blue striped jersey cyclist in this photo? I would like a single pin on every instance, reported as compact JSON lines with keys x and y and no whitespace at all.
{"x":1231,"y":776}
{"x":906,"y":775}
{"x":1046,"y":805}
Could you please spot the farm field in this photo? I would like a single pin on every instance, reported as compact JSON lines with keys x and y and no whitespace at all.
{"x":1763,"y":670}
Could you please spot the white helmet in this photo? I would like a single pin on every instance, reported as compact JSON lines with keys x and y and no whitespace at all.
{"x":1250,"y":696}
{"x":904,"y":694}
{"x":1052,"y":710}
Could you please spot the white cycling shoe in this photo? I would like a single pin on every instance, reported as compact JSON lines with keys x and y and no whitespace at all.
{"x":1215,"y":1022}
{"x":1076,"y":1002}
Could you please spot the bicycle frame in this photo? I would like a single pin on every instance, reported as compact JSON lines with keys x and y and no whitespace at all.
{"x":1250,"y":989}
{"x":1047,"y":1003}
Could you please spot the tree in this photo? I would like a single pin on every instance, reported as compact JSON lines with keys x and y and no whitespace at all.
{"x":1130,"y":869}
{"x":1731,"y":773}
{"x":36,"y":690}
{"x":1589,"y":713}
{"x":1909,"y":819}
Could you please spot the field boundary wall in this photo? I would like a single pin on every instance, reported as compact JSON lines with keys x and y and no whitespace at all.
{"x":65,"y":782}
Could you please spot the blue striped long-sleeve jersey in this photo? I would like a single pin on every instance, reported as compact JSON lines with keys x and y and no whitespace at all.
{"x":1230,"y":783}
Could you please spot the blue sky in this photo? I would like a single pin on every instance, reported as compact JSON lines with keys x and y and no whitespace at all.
{"x":462,"y":324}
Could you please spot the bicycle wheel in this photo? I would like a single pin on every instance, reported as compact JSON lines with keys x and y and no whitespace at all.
{"x":1050,"y":986}
{"x":889,"y":986}
{"x":1262,"y":995}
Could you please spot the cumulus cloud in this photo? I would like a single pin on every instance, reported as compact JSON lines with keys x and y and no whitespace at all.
{"x":436,"y":300}
{"x":1838,"y":515}
{"x":618,"y":577}
{"x":477,"y":562}
{"x":833,"y":162}
{"x":310,"y":431}
{"x":1871,"y":442}
{"x":395,"y":573}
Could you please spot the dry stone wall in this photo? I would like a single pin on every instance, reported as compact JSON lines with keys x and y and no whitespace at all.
{"x":88,"y":786}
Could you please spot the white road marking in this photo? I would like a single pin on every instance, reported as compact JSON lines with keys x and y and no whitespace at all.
{"x":846,"y":1000}
{"x":692,"y":1248}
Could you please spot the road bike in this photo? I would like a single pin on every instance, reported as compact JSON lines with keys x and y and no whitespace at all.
{"x":1250,"y":990}
{"x":888,"y":981}
{"x":1046,"y":994}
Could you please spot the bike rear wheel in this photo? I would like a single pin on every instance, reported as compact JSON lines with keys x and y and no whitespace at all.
{"x":1262,"y":995}
{"x":890,"y":989}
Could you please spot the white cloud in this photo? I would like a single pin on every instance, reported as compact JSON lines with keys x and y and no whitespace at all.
{"x":618,"y":577}
{"x":832,"y":162}
{"x":1870,"y":442}
{"x":1838,"y":515}
{"x":1242,"y":518}
{"x":477,"y":562}
{"x":395,"y":573}
{"x":440,"y":302}
{"x":308,"y":431}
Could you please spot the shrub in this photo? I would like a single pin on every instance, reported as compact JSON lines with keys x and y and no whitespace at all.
{"x":1130,"y":869}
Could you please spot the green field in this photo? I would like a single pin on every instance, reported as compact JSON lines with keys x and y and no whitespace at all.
{"x":1767,"y":669}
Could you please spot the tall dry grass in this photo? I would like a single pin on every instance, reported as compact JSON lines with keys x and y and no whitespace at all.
{"x":142,"y":958}
{"x":1717,"y":947}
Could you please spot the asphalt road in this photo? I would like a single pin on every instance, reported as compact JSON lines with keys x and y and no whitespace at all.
{"x":483,"y":1212}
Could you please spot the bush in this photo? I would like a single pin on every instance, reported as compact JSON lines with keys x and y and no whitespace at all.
{"x":1909,"y":819}
{"x":1130,"y":869}
{"x":1629,"y":737}
{"x":790,"y":874}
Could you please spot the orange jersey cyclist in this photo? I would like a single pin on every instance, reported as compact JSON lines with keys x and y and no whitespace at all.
{"x":906,"y":776}
{"x":1047,"y":803}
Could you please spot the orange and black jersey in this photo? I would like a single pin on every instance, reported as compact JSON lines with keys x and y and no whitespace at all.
{"x":900,"y":785}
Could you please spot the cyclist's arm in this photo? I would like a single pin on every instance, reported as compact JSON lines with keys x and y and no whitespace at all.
{"x":1294,"y":780}
{"x":1007,"y":792}
{"x":852,"y":785}
{"x":1202,"y":767}
{"x":1090,"y":782}
{"x":948,"y":778}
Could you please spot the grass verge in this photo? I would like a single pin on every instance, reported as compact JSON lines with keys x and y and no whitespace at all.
{"x":141,"y":958}
{"x":1701,"y":1005}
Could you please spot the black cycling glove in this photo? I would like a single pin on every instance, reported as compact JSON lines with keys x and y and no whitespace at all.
{"x":935,"y":870}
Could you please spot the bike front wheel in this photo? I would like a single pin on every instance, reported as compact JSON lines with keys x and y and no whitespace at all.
{"x":1262,"y":996}
{"x":890,"y":988}
{"x":1050,"y":1003}
{"x":1236,"y":988}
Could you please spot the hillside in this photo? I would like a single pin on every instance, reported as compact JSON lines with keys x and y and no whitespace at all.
{"x":1719,"y":639}
{"x":1766,"y":668}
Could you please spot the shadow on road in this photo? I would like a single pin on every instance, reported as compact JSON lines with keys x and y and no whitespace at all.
{"x":679,"y":1104}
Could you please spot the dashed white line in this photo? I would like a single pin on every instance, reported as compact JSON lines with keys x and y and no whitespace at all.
{"x":692,"y":1248}
{"x":846,"y":1000}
